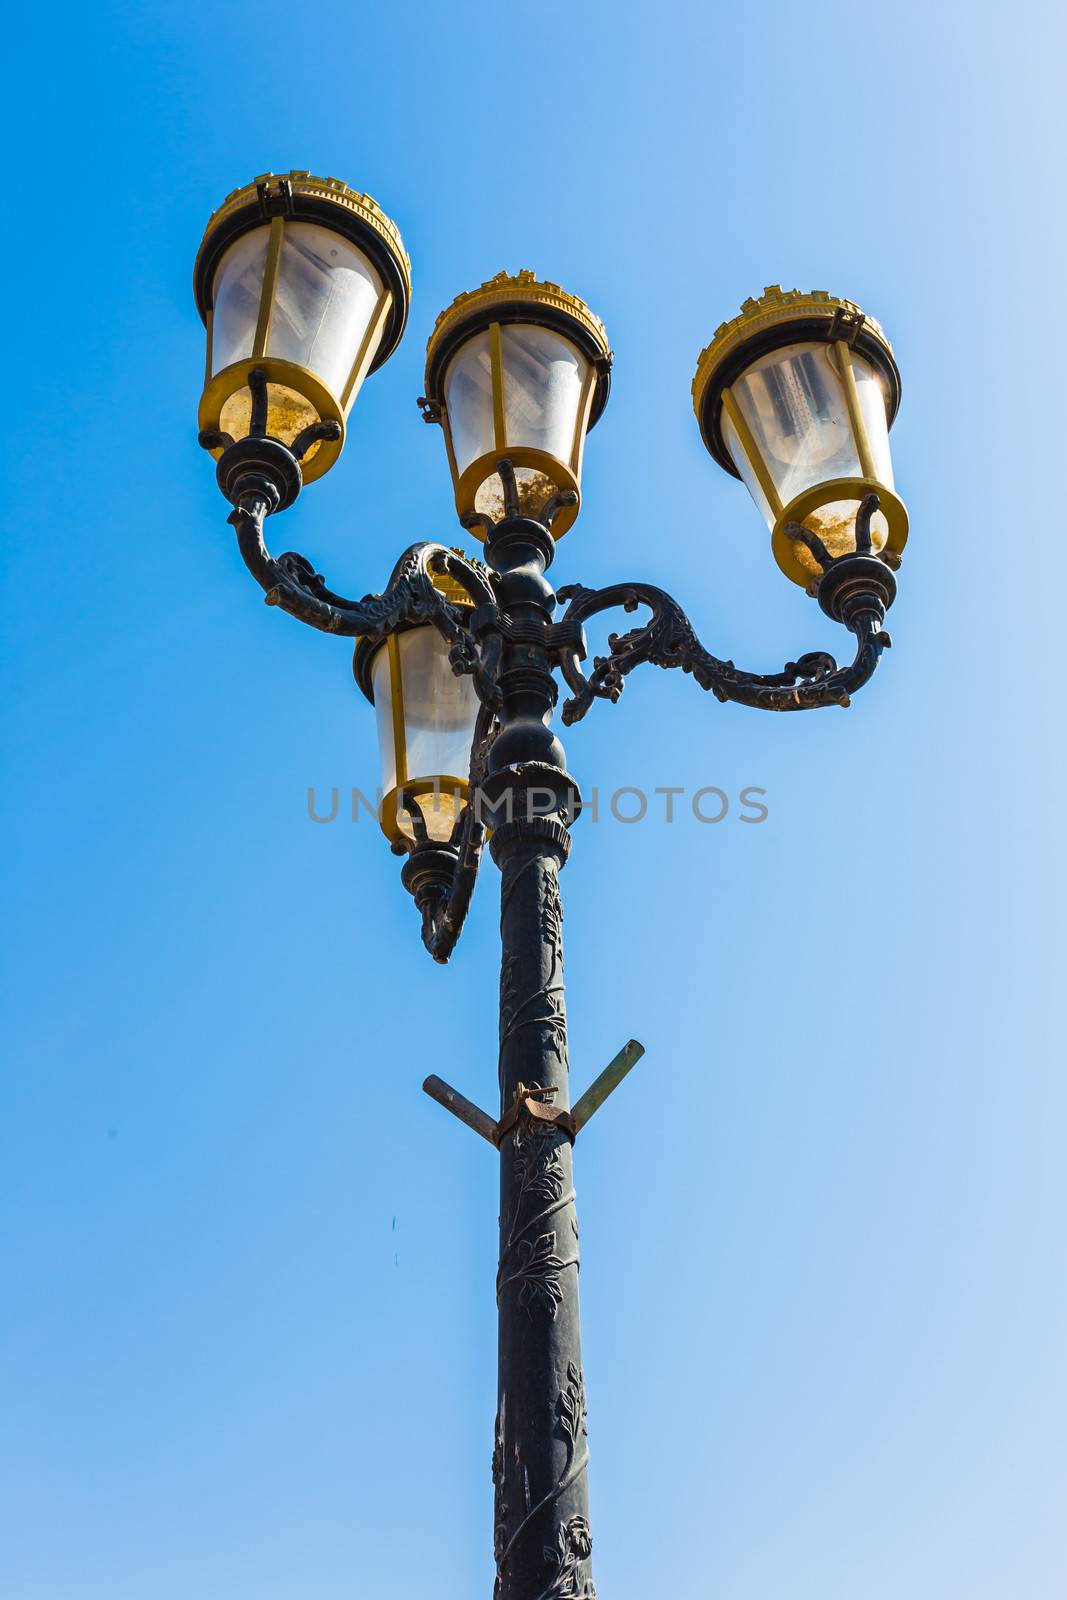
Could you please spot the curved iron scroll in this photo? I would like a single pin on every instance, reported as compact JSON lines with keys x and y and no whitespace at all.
{"x":668,"y":640}
{"x":855,"y":589}
{"x":291,"y":582}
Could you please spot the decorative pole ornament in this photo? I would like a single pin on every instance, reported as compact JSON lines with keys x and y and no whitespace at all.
{"x":303,"y":285}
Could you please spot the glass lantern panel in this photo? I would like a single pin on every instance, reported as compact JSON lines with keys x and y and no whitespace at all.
{"x":469,"y":401}
{"x":796,"y":410}
{"x":382,"y":685}
{"x":875,"y":418}
{"x":326,"y":295}
{"x":740,"y":460}
{"x":835,"y":523}
{"x":544,"y":377}
{"x":440,"y":710}
{"x":237,"y":291}
{"x":795,"y":407}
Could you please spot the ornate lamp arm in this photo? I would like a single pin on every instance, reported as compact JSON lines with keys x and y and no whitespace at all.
{"x":291,"y":582}
{"x":855,"y":589}
{"x":259,"y":475}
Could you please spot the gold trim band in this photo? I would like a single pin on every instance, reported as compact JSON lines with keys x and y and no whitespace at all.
{"x":824,"y":494}
{"x":855,"y":415}
{"x":388,"y":818}
{"x":301,"y":380}
{"x":331,"y":190}
{"x":777,"y":306}
{"x":496,"y":371}
{"x":396,"y":707}
{"x":752,"y":451}
{"x":505,"y":289}
{"x":270,"y":284}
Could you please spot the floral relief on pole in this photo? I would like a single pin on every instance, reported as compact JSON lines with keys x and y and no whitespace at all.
{"x":516,"y":1014}
{"x":535,"y":1263}
{"x":537,"y":1274}
{"x":573,"y":1539}
{"x":573,"y":1547}
{"x":544,"y":1007}
{"x":500,"y":1504}
{"x":538,"y":1169}
{"x":571,"y":1411}
{"x":552,"y":914}
{"x":509,"y":994}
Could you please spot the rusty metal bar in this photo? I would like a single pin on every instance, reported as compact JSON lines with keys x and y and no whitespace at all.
{"x":609,"y":1079}
{"x":461,"y":1107}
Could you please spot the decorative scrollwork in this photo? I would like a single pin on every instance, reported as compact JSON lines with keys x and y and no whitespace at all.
{"x":260,"y":475}
{"x":669,"y":640}
{"x":291,"y":582}
{"x":856,"y":588}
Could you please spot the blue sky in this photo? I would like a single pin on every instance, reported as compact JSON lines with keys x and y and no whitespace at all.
{"x":247,"y":1327}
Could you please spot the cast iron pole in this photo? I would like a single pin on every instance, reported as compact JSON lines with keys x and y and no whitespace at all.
{"x":542,"y":1541}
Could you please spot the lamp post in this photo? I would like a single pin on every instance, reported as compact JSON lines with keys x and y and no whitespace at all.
{"x":303,"y":286}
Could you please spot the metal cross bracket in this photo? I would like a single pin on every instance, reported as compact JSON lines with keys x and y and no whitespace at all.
{"x":536,"y":1103}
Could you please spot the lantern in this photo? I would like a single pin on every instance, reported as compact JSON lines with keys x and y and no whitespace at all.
{"x":307,"y":281}
{"x":426,"y":716}
{"x":520,"y":369}
{"x":796,"y":396}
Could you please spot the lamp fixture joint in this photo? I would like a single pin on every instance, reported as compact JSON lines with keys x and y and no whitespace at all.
{"x":275,"y":200}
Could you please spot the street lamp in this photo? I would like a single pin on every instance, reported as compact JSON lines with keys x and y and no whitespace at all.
{"x":519,"y":369}
{"x":426,"y":719}
{"x":796,"y":396}
{"x":303,"y":286}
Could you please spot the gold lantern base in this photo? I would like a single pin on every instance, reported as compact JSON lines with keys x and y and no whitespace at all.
{"x":391,"y":811}
{"x":550,"y":475}
{"x":804,"y":505}
{"x":296,"y":399}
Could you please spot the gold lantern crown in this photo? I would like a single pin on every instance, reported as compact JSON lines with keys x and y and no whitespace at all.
{"x":301,"y":184}
{"x":778,"y":317}
{"x":507,"y":289}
